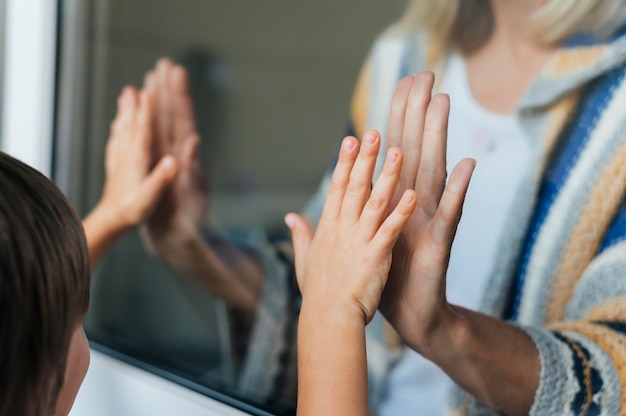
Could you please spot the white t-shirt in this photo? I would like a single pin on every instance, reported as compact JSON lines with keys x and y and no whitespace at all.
{"x":501,"y":150}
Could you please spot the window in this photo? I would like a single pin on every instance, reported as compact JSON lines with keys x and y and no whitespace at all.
{"x":271,"y":81}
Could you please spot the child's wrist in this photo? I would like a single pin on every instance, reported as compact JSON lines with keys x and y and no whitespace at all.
{"x":110,"y":218}
{"x":335,"y":312}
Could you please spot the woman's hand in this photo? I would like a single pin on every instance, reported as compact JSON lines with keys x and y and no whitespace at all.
{"x":495,"y":361}
{"x":414,"y":300}
{"x":183,"y":208}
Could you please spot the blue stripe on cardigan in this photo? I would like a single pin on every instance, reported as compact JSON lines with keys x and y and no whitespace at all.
{"x":564,"y":156}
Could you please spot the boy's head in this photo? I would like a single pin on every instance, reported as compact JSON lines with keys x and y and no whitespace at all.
{"x":44,"y":294}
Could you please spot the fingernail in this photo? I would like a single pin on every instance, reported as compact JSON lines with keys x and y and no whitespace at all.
{"x":392,"y":156}
{"x":125,"y":97}
{"x":408,"y":198}
{"x":347,"y":144}
{"x":168,"y":163}
{"x":289,"y":221}
{"x":369,"y":138}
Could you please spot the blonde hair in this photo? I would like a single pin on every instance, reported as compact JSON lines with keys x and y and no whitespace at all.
{"x":468,"y":24}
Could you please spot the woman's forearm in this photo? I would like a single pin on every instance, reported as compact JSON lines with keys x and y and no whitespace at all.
{"x":238,"y":281}
{"x":493,"y":360}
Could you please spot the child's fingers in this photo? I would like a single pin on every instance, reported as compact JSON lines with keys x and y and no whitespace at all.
{"x":301,"y":235}
{"x":378,"y":203}
{"x":126,"y":103}
{"x":340,"y":178}
{"x":143,"y":132}
{"x":149,"y":81}
{"x":451,"y":205}
{"x":361,"y":177}
{"x":393,"y":225}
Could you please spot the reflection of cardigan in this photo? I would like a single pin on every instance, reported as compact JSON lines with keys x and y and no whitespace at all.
{"x":561,"y":273}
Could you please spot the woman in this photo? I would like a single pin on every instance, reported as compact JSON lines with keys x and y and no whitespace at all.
{"x":547,"y":76}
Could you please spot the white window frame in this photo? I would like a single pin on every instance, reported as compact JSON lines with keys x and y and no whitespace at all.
{"x":28,"y":96}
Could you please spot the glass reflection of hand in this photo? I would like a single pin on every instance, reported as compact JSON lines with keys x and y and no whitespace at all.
{"x":133,"y":186}
{"x":183,"y":208}
{"x":175,"y":230}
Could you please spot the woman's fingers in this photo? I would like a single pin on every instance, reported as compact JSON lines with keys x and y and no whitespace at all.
{"x":163,"y":122}
{"x":431,"y":177}
{"x":417,"y":104}
{"x":395,"y":125}
{"x":450,"y":207}
{"x":183,"y":116}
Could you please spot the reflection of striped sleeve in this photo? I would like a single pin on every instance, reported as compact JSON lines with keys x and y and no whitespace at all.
{"x":268,"y":372}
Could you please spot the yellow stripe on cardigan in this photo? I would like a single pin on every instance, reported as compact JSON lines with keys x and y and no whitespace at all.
{"x":612,"y":310}
{"x":566,"y":61}
{"x":588,"y":233}
{"x":613,"y":345}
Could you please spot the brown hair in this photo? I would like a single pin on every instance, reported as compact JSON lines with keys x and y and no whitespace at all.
{"x":44,"y":287}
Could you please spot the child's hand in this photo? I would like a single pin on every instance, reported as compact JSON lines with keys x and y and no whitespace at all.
{"x":343,"y":268}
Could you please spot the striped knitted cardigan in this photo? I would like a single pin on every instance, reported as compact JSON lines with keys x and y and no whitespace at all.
{"x":561,"y":272}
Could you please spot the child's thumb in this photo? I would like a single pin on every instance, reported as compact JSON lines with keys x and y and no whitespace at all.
{"x":160,"y":177}
{"x":300,"y":234}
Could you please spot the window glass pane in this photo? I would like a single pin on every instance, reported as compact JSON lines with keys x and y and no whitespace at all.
{"x":271,"y":82}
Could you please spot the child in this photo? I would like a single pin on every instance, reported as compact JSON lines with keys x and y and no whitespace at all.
{"x":343,"y":269}
{"x":45,"y":262}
